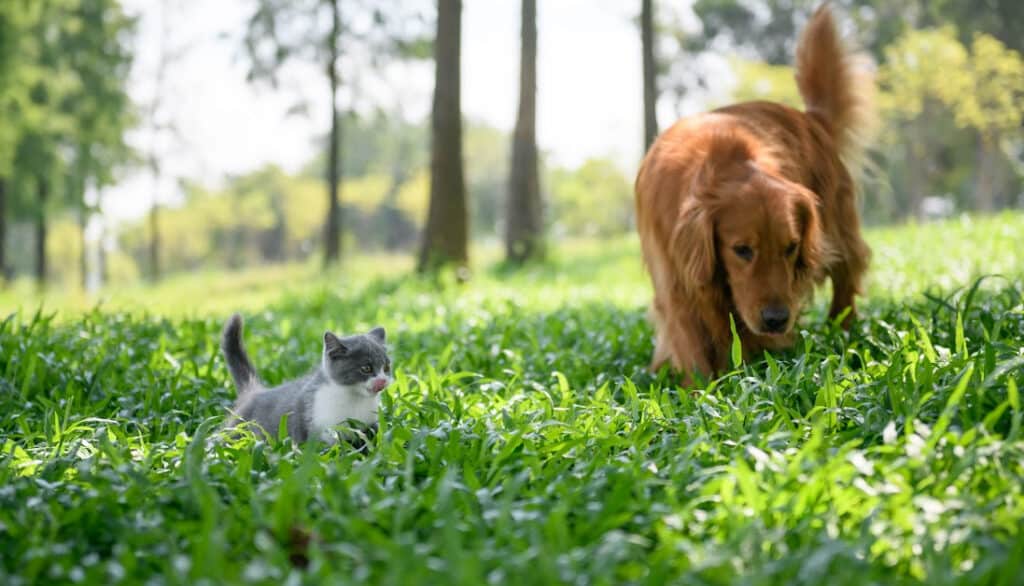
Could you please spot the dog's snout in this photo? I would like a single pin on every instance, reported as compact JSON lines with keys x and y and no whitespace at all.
{"x":775,"y":318}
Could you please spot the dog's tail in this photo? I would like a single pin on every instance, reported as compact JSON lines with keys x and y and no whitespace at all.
{"x":239,"y":365}
{"x":836,"y":84}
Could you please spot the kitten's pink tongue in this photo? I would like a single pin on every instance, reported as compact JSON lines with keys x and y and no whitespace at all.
{"x":379,"y":384}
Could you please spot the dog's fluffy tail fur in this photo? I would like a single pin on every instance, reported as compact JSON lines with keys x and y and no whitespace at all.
{"x":836,"y":83}
{"x":239,"y":365}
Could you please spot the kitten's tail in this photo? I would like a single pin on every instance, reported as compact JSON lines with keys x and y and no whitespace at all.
{"x":239,"y":365}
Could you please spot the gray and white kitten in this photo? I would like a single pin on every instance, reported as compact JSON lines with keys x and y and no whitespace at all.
{"x":345,"y":385}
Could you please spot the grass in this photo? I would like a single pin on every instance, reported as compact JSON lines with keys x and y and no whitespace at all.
{"x":523,"y":441}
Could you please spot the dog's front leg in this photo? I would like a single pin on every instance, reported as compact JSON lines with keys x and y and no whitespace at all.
{"x":844,"y":291}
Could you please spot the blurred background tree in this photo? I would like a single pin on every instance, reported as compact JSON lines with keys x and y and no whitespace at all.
{"x":446,"y":233}
{"x":524,"y":213}
{"x":323,"y":33}
{"x":649,"y":62}
{"x":63,"y":66}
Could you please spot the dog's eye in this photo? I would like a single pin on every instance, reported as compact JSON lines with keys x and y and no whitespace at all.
{"x":366,"y":369}
{"x":791,"y":249}
{"x":743,"y":251}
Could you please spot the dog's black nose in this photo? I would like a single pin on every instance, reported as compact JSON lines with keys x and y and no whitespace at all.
{"x":775,"y":318}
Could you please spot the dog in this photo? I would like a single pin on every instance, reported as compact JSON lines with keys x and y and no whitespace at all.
{"x":741,"y":211}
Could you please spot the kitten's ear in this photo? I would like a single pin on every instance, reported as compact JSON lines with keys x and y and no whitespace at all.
{"x":334,"y":345}
{"x":378,"y":334}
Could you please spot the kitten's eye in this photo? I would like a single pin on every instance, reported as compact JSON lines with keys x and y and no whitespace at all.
{"x":791,"y":249}
{"x":366,"y":369}
{"x":743,"y":251}
{"x":387,"y":367}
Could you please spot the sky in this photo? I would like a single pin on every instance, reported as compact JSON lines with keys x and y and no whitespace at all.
{"x":589,"y":90}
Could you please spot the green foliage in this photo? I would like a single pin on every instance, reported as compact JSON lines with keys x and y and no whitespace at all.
{"x":488,"y":155}
{"x":943,"y":102}
{"x":265,"y":215}
{"x":270,"y":216}
{"x":279,"y":33}
{"x":73,"y":68}
{"x":524,"y":442}
{"x":983,"y":87}
{"x":761,"y":81}
{"x":746,"y":26}
{"x":13,"y":85}
{"x":595,"y":199}
{"x":64,"y":103}
{"x":922,"y":66}
{"x":991,"y":97}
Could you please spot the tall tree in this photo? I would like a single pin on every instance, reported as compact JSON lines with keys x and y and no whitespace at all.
{"x":650,"y":68}
{"x":8,"y":136}
{"x":154,"y":112}
{"x":15,"y":22}
{"x":445,"y":234}
{"x":279,"y":32}
{"x":928,"y":77}
{"x":3,"y":229}
{"x":524,"y":217}
{"x":990,"y":101}
{"x":44,"y":124}
{"x":98,"y":53}
{"x":43,"y":193}
{"x":332,"y":231}
{"x":916,"y":67}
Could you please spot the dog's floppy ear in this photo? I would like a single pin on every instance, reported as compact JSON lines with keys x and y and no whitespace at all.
{"x":693,"y":245}
{"x":809,"y":222}
{"x":726,"y":159}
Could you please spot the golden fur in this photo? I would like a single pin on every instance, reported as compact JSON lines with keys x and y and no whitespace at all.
{"x":744,"y":209}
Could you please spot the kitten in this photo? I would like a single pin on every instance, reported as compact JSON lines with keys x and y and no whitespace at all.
{"x":345,"y":385}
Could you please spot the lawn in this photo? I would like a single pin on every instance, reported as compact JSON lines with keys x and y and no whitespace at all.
{"x":523,"y":441}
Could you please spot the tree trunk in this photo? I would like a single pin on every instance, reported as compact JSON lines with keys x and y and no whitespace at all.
{"x":916,"y":179}
{"x":524,"y":227}
{"x":43,"y":193}
{"x":3,"y":230}
{"x":332,"y":236}
{"x":83,"y":261}
{"x":78,"y":182}
{"x":104,"y":273}
{"x":101,"y":261}
{"x":650,"y":73}
{"x":444,"y":238}
{"x":985,"y":185}
{"x":154,"y":240}
{"x":395,"y":229}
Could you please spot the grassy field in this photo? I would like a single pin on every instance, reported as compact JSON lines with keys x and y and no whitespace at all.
{"x":523,"y":441}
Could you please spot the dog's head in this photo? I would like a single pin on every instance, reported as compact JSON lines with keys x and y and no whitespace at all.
{"x":753,"y":232}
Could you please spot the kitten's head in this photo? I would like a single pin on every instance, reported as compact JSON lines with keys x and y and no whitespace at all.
{"x":360,"y":361}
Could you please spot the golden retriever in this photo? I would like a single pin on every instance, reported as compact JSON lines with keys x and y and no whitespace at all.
{"x":744,"y":209}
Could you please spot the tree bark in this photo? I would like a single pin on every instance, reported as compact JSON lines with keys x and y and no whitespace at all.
{"x":83,"y":261}
{"x":43,"y":194}
{"x":101,"y":261}
{"x":985,"y":185}
{"x":164,"y":62}
{"x":154,"y":240}
{"x":332,"y":236}
{"x":445,"y":235}
{"x":916,"y":179}
{"x":650,"y":73}
{"x":3,"y":230}
{"x":524,"y":227}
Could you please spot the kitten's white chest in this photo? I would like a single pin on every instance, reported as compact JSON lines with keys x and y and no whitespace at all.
{"x":334,"y":404}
